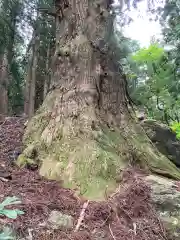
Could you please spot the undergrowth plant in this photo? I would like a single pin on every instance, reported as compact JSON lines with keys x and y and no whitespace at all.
{"x":176,"y":128}
{"x":6,"y":234}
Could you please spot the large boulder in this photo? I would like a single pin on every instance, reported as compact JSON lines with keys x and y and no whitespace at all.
{"x":164,"y":139}
{"x":166,"y":199}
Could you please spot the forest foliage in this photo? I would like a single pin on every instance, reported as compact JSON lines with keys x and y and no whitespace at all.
{"x":153,"y":73}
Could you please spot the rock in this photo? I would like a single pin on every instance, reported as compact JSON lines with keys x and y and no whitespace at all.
{"x":166,"y":199}
{"x":164,"y":139}
{"x":58,"y":220}
{"x":13,"y":155}
{"x":99,"y":234}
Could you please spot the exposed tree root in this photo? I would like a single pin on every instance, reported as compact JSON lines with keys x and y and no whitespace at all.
{"x":86,"y":154}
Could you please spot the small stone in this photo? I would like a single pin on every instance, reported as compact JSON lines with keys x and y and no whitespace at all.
{"x":99,"y":235}
{"x":58,"y":220}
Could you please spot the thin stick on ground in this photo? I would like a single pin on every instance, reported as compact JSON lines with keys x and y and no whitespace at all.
{"x":4,"y":179}
{"x":81,"y":217}
{"x":111,"y":232}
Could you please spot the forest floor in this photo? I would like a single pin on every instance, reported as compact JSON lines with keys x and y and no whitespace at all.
{"x":127,"y":215}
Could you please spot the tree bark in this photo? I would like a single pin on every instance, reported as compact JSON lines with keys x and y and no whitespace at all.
{"x":7,"y":53}
{"x":33,"y":80}
{"x":85,"y":134}
{"x":4,"y":84}
{"x":28,"y":85}
{"x":47,"y":77}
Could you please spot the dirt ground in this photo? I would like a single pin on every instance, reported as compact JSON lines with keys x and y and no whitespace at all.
{"x":127,"y":215}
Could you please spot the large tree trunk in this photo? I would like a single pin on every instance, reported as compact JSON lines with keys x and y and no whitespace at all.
{"x":84,"y":134}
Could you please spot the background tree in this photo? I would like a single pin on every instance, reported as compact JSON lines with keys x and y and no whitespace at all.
{"x":154,"y":72}
{"x":23,"y":60}
{"x":155,"y":80}
{"x":39,"y":58}
{"x":9,"y":22}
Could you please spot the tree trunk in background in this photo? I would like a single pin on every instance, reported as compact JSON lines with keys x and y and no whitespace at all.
{"x":28,"y":86}
{"x":33,"y":79}
{"x":6,"y":57}
{"x":84,"y":133}
{"x":47,"y":77}
{"x":4,"y":84}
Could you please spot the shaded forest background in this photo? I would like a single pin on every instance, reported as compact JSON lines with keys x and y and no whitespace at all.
{"x":27,"y":50}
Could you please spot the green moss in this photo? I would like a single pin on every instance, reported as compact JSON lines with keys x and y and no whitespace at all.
{"x":92,"y":160}
{"x":22,"y":161}
{"x":35,"y":128}
{"x":91,"y":164}
{"x":147,"y":155}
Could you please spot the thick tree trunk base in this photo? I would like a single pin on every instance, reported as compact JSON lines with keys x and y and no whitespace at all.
{"x":87,"y":154}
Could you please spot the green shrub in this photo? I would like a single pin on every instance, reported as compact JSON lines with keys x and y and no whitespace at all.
{"x":176,"y":128}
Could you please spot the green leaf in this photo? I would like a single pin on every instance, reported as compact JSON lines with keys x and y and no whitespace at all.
{"x":10,"y":201}
{"x":11,"y":213}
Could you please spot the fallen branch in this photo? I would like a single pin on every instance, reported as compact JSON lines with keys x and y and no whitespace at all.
{"x":4,"y":179}
{"x":30,"y":236}
{"x":81,"y":217}
{"x":111,"y":232}
{"x":135,"y":228}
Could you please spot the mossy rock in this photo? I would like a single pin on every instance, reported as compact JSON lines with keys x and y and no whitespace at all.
{"x":23,"y":161}
{"x":164,"y":139}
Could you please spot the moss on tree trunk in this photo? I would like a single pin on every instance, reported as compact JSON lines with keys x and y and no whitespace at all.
{"x":84,"y":133}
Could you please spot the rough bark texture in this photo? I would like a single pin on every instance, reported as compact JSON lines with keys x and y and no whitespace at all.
{"x":4,"y":84}
{"x":27,"y":86}
{"x":84,"y":133}
{"x":47,"y":78}
{"x":33,"y":80}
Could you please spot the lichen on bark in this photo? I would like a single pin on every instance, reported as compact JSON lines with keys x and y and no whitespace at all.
{"x":85,"y":133}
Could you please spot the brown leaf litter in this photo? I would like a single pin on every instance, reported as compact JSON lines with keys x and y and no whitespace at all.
{"x":127,"y":215}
